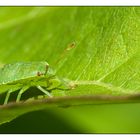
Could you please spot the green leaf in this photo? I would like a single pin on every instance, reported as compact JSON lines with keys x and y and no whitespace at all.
{"x":104,"y":64}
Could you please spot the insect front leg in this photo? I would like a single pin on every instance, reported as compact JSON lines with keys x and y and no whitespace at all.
{"x":44,"y":91}
{"x":20,"y":93}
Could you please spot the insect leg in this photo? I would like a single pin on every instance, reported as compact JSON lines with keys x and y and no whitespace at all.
{"x":20,"y":93}
{"x":8,"y":95}
{"x":44,"y":91}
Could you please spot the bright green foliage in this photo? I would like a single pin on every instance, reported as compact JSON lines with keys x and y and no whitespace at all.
{"x":105,"y":60}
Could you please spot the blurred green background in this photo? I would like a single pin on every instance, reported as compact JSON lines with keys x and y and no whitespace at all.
{"x":107,"y":50}
{"x":119,"y":118}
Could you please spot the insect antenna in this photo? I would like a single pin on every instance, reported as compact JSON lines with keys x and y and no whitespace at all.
{"x":47,"y":67}
{"x":66,"y":51}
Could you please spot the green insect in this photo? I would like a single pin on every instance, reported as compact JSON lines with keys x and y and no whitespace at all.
{"x":23,"y":75}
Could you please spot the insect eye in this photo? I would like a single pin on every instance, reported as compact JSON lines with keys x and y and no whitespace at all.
{"x":39,"y":73}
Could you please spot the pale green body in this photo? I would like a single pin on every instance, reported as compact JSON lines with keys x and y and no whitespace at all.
{"x":23,"y":75}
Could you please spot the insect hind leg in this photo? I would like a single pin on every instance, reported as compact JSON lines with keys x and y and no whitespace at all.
{"x":44,"y":91}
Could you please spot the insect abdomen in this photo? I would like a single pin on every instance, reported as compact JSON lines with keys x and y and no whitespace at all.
{"x":17,"y":71}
